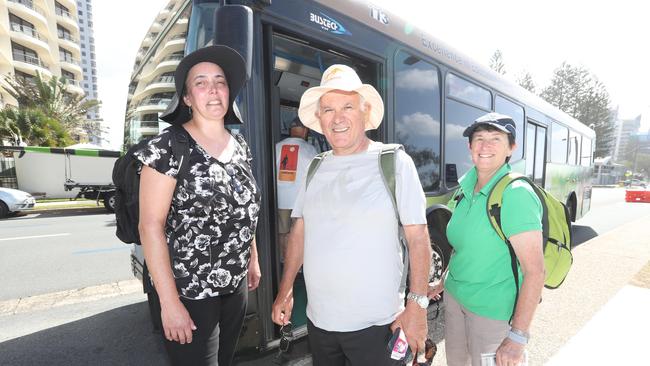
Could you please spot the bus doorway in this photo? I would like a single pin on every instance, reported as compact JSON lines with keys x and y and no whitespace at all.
{"x":296,"y":65}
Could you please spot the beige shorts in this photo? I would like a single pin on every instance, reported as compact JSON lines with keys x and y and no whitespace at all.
{"x":284,"y":221}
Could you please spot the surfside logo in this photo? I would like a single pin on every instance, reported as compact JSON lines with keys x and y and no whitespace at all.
{"x":328,"y":23}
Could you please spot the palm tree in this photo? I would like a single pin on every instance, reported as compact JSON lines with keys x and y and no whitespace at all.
{"x":32,"y":127}
{"x":51,"y":98}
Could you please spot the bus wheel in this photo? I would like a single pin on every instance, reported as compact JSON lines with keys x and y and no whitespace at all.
{"x":437,"y":264}
{"x":571,"y":206}
{"x":437,"y":224}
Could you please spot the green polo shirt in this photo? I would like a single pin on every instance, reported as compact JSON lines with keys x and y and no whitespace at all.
{"x":480,"y":276}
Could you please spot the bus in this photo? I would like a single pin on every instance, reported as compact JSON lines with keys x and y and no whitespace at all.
{"x":431,"y":91}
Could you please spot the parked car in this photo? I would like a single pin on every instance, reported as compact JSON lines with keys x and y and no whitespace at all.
{"x":13,"y":200}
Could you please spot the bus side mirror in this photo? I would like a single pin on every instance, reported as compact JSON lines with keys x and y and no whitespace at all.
{"x":234,"y":28}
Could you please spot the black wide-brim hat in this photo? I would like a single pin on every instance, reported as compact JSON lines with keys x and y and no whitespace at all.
{"x":232,"y":64}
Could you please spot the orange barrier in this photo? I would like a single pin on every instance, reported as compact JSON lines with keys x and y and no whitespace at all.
{"x":637,"y":195}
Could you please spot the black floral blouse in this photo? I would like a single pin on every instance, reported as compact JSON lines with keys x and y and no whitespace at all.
{"x":212,"y":219}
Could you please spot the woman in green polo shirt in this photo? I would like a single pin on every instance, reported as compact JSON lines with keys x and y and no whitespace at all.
{"x":479,"y":285}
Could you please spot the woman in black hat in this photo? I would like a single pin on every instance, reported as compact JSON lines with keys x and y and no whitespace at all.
{"x":198,"y":236}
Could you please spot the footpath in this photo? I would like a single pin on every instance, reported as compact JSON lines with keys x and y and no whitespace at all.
{"x":599,"y":316}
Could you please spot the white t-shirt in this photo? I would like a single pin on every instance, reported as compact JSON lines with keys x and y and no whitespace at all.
{"x":352,"y":259}
{"x":291,"y":171}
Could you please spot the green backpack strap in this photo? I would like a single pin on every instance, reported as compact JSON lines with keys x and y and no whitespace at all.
{"x":494,"y":204}
{"x":387,"y":157}
{"x":493,"y":207}
{"x":313,"y":166}
{"x":387,"y":168}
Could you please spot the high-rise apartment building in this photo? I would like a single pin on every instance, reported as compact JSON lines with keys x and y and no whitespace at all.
{"x":40,"y":36}
{"x":51,"y":38}
{"x":152,"y":82}
{"x":624,"y":130}
{"x":89,"y":83}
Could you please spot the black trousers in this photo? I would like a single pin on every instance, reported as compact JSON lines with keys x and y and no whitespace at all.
{"x":359,"y":348}
{"x":219,"y":321}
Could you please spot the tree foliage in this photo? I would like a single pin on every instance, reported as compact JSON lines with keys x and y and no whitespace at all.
{"x":496,"y":62}
{"x":54,"y":112}
{"x":525,"y":80}
{"x":32,"y":127}
{"x":580,"y":94}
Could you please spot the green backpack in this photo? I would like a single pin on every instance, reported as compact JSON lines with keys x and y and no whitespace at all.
{"x":556,"y":229}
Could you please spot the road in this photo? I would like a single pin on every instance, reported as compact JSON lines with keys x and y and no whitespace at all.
{"x":115,"y":330}
{"x":48,"y":252}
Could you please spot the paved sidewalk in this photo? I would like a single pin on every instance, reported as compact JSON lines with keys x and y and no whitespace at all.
{"x":617,"y":335}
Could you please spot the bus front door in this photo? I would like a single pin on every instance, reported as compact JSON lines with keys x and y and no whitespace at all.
{"x":297,"y":65}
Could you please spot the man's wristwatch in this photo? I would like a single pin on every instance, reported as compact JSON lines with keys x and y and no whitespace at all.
{"x":421,"y":300}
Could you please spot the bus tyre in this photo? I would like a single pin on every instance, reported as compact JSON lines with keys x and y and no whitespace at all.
{"x":4,"y":210}
{"x":109,"y":201}
{"x":437,"y":223}
{"x":571,"y":207}
{"x":437,"y":264}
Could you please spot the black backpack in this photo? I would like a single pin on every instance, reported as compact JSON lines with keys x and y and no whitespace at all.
{"x":126,"y":177}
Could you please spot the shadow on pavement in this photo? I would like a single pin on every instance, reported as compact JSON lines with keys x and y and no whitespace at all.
{"x":582,"y":234}
{"x":121,"y":336}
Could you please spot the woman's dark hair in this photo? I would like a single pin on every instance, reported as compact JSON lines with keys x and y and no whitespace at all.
{"x":490,"y":128}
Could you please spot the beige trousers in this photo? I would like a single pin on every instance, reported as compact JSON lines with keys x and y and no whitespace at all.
{"x":467,"y":335}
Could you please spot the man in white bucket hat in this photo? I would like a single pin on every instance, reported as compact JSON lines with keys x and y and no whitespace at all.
{"x":345,"y":234}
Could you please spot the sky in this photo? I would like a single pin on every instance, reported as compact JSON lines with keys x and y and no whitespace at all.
{"x":610,"y":39}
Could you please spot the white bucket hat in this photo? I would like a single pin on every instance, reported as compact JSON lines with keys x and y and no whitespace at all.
{"x":340,"y":77}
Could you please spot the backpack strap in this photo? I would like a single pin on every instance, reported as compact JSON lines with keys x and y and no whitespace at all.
{"x":456,"y":197}
{"x":494,"y":204}
{"x":313,"y":166}
{"x":387,"y":168}
{"x":180,"y":144}
{"x":387,"y":157}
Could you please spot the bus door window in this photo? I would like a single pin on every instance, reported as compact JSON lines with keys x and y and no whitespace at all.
{"x":516,"y":112}
{"x":535,"y":152}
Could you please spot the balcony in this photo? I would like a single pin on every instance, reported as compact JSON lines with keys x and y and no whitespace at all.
{"x":153,"y":105}
{"x":66,"y":18}
{"x":71,"y":63}
{"x":175,"y":44}
{"x":160,"y":85}
{"x":145,"y":128}
{"x":166,"y":65}
{"x":30,"y":64}
{"x":70,"y":4}
{"x":67,"y":40}
{"x":74,"y":86}
{"x":28,"y":11}
{"x":30,"y":37}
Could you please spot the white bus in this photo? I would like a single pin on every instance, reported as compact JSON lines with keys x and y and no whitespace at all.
{"x":431,"y":92}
